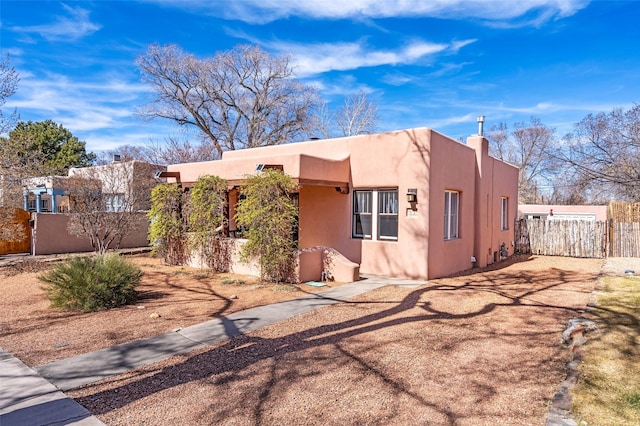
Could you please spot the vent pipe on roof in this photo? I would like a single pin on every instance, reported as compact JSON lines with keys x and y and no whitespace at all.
{"x":481,"y":125}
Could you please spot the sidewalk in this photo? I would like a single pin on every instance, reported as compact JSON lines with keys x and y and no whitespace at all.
{"x":29,"y":397}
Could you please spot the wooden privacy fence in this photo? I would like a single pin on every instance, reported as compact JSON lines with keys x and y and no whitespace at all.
{"x":16,"y":231}
{"x":621,"y":211}
{"x":624,"y":239}
{"x":572,"y":238}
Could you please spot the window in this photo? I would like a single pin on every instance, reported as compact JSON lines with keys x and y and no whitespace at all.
{"x":362,"y":214}
{"x":388,"y":214}
{"x":114,"y":202}
{"x":451,"y":202}
{"x":44,"y":205}
{"x":378,"y":224}
{"x":504,"y":214}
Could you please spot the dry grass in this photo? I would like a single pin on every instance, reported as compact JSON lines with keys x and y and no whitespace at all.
{"x":608,"y":392}
{"x":481,"y":349}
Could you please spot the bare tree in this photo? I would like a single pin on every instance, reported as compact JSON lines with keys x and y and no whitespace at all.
{"x":568,"y":188}
{"x":17,"y":164}
{"x":9,"y":79}
{"x":604,"y":152}
{"x":177,"y":151}
{"x":241,"y":98}
{"x":11,"y":172}
{"x":123,"y":153}
{"x":106,"y":201}
{"x":358,"y":115}
{"x":173,"y":151}
{"x":322,"y":123}
{"x":530,"y":147}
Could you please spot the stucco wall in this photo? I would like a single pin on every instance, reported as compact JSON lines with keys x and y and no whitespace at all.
{"x":494,"y":180}
{"x":453,"y":168}
{"x":50,"y":235}
{"x":325,"y":220}
{"x":505,"y":184}
{"x":419,"y":159}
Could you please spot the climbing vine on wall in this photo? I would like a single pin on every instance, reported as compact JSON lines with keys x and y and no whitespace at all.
{"x":269,"y":211}
{"x":167,"y":229}
{"x":206,"y":219}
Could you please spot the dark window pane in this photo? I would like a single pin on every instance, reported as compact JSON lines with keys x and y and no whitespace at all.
{"x":388,"y":227}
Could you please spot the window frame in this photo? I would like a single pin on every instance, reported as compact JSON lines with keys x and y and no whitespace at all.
{"x":33,"y":204}
{"x":451,"y":218}
{"x":381,"y":214}
{"x":504,"y":213}
{"x":356,"y":216}
{"x":375,"y":212}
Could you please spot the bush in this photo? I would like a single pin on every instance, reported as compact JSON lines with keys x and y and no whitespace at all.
{"x":92,"y":283}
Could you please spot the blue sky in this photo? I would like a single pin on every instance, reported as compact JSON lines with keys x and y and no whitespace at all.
{"x":432,"y":63}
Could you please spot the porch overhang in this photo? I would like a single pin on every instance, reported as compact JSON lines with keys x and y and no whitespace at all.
{"x":303,"y":169}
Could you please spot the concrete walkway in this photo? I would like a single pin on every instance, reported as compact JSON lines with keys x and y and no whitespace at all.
{"x":26,"y":399}
{"x":34,"y":397}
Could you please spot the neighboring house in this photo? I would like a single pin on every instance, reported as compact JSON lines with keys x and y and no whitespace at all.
{"x":560,"y":212}
{"x":120,"y":186}
{"x":125,"y":185}
{"x":120,"y":182}
{"x":411,"y":203}
{"x":45,"y":194}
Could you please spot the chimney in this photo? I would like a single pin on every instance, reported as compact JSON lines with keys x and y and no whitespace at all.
{"x":481,"y":125}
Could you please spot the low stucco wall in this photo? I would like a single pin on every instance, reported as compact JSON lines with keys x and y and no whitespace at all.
{"x":314,"y":261}
{"x":252,"y":267}
{"x":50,"y":235}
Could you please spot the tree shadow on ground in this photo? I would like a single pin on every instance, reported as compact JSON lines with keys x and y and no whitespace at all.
{"x":235,"y":360}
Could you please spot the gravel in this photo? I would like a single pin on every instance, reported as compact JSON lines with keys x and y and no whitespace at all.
{"x":478,"y":349}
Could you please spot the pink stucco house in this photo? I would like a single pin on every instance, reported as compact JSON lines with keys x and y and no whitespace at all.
{"x":410,"y":203}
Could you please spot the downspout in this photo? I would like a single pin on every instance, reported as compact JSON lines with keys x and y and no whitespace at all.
{"x":492,"y":200}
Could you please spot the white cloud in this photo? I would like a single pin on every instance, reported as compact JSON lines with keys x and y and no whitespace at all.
{"x":100,"y":141}
{"x":311,"y":59}
{"x":491,"y":12}
{"x":342,"y":86}
{"x":100,"y":111}
{"x":73,"y":26}
{"x":398,"y":79}
{"x":316,"y":58}
{"x":443,"y":122}
{"x":78,"y":106}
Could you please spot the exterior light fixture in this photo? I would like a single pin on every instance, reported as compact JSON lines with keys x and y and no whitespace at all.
{"x":412,"y":195}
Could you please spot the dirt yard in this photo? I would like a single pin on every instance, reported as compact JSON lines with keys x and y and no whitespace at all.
{"x":170,"y":298}
{"x":480,"y":349}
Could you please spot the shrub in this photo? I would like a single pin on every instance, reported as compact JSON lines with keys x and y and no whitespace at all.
{"x":92,"y":283}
